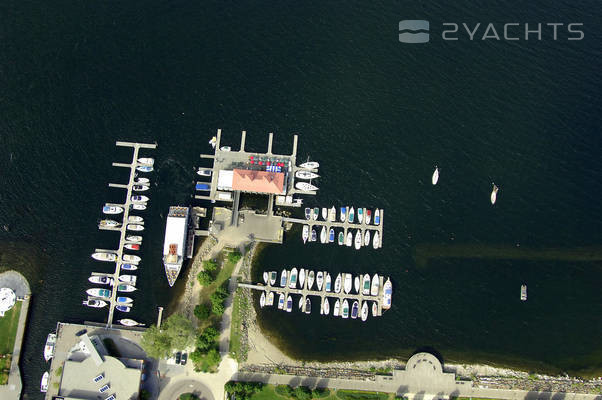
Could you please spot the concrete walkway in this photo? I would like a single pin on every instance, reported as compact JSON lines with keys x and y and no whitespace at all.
{"x":18,"y":283}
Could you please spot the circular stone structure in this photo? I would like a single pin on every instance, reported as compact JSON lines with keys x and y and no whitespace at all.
{"x":424,"y":364}
{"x":7,"y":299}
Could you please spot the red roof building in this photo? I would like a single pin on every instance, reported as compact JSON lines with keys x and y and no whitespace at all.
{"x":258,"y":181}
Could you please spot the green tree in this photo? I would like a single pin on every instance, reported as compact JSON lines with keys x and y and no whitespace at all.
{"x":234,"y":256}
{"x":188,"y":396}
{"x":180,"y":330}
{"x":156,"y":343}
{"x":202,"y":311}
{"x":243,"y":390}
{"x":302,"y":393}
{"x":205,"y":278}
{"x":210,"y":266}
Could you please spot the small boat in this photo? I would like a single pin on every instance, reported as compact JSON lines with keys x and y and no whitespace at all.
{"x":360,"y":215}
{"x":319,"y":280}
{"x":328,"y":283}
{"x":273,"y":277}
{"x":343,"y":214}
{"x":204,"y":172}
{"x":139,"y":199}
{"x":108,"y":223}
{"x":135,"y":227}
{"x":374,"y":309}
{"x":365,"y":311}
{"x":325,"y":307}
{"x":49,"y":347}
{"x":435,"y":177}
{"x":131,"y":279}
{"x":112,"y":210}
{"x":96,"y":292}
{"x":348,"y":283}
{"x":289,"y":304}
{"x":523,"y":292}
{"x":142,"y":181}
{"x":139,"y":206}
{"x":131,"y":258}
{"x":337,"y":308}
{"x":331,"y":235}
{"x":310,"y":279}
{"x":376,"y":240}
{"x":301,"y":302}
{"x":94,"y":303}
{"x":293,"y":281}
{"x":213,"y":141}
{"x":146,"y":161}
{"x":202,"y":187}
{"x":128,"y":322}
{"x":226,"y":148}
{"x":356,"y":284}
{"x":283,"y":278}
{"x":366,"y":285}
{"x":307,"y":306}
{"x":345,"y":309}
{"x":323,"y":235}
{"x":302,"y":174}
{"x":262,"y":300}
{"x":374,"y":286}
{"x":337,"y":284}
{"x":316,"y":213}
{"x":387,"y":294}
{"x":124,"y":300}
{"x":494,"y":193}
{"x":134,"y":238}
{"x":124,"y":287}
{"x":377,"y":217}
{"x":305,"y":187}
{"x":308,"y":213}
{"x":358,"y":239}
{"x":129,"y":267}
{"x":270,"y":299}
{"x":132,"y":246}
{"x":265,"y":277}
{"x":349,"y":241}
{"x":355,"y":309}
{"x":301,"y":277}
{"x":44,"y":382}
{"x":144,"y":168}
{"x":281,"y":301}
{"x":135,"y":218}
{"x":314,"y":235}
{"x":341,"y":238}
{"x":123,"y":308}
{"x":140,"y":188}
{"x":101,"y":280}
{"x":310,"y":165}
{"x":351,"y":214}
{"x":367,"y":238}
{"x":368,"y":216}
{"x":332,"y":214}
{"x":324,"y":213}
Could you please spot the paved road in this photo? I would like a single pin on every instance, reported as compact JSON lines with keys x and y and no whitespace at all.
{"x":172,"y":391}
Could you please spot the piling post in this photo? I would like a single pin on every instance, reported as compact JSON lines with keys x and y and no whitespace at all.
{"x":159,"y":317}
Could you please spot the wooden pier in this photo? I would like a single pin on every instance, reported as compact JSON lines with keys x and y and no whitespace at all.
{"x":123,"y":227}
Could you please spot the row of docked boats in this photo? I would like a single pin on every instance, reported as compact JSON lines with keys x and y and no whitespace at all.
{"x":307,"y":171}
{"x":362,"y":215}
{"x":494,"y":190}
{"x":327,"y":235}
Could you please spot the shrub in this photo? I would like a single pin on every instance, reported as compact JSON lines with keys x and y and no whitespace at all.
{"x":205,"y":278}
{"x":302,"y":393}
{"x":284,"y":390}
{"x":210,"y":266}
{"x":243,"y":390}
{"x":202,"y":311}
{"x":188,"y":396}
{"x":234,"y":256}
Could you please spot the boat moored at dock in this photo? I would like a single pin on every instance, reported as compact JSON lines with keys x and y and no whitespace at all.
{"x":302,"y":174}
{"x":108,"y":223}
{"x":293,"y":278}
{"x":101,"y":293}
{"x":128,"y":322}
{"x":130,"y":258}
{"x":49,"y":346}
{"x":174,"y":245}
{"x":374,"y":286}
{"x":305,"y":187}
{"x":101,"y":280}
{"x":112,"y":209}
{"x":310,"y":165}
{"x":44,"y":382}
{"x":94,"y":303}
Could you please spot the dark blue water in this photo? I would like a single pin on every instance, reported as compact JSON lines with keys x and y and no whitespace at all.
{"x":376,"y":113}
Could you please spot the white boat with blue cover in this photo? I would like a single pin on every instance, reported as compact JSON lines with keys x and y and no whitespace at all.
{"x":343,"y":214}
{"x":112,"y":209}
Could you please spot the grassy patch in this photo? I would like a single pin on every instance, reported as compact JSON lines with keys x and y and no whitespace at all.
{"x":361,"y":395}
{"x":240,"y":307}
{"x":8,"y":328}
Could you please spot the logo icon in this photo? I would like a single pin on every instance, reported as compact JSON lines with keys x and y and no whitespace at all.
{"x":414,"y":31}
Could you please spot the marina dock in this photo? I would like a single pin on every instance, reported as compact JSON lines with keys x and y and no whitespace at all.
{"x":123,"y":227}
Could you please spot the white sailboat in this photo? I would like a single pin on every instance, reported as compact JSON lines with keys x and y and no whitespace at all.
{"x":310,"y":165}
{"x":303,"y":174}
{"x":323,"y":235}
{"x":306,"y":187}
{"x":332,"y":214}
{"x":358,"y":239}
{"x":326,"y":307}
{"x":337,"y":308}
{"x":319,"y":279}
{"x":375,"y":285}
{"x":376,"y":240}
{"x":349,"y":240}
{"x":337,"y":284}
{"x":348,"y":283}
{"x":301,"y":277}
{"x":435,"y":177}
{"x":365,"y":311}
{"x":494,"y":193}
{"x":324,"y":213}
{"x":310,"y":279}
{"x":305,"y":234}
{"x":367,"y":238}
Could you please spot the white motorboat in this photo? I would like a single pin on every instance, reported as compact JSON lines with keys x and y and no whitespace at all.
{"x":128,"y":322}
{"x":343,"y":214}
{"x":131,"y":258}
{"x":323,"y":235}
{"x":94,"y":303}
{"x":262,"y":300}
{"x":108,"y":223}
{"x":132,"y":246}
{"x":301,"y":277}
{"x":225,"y":148}
{"x":310,"y":165}
{"x":387,"y":294}
{"x":124,"y":287}
{"x":355,"y":308}
{"x":325,"y":307}
{"x":124,"y":300}
{"x":435,"y":177}
{"x":283,"y":277}
{"x":135,"y":227}
{"x":332,"y":214}
{"x":367,"y":238}
{"x":331,"y":235}
{"x":310,"y":279}
{"x":360,"y":215}
{"x":308,"y":213}
{"x":368,"y":216}
{"x":44,"y":382}
{"x":337,"y":284}
{"x":265,"y":277}
{"x":123,"y":308}
{"x":365,"y":311}
{"x":377,"y":217}
{"x":131,"y":279}
{"x":146,"y":161}
{"x":134,"y":238}
{"x":140,"y":188}
{"x":319,"y":280}
{"x":376,"y":240}
{"x":523,"y":292}
{"x":307,"y":305}
{"x":324,"y":213}
{"x":316,"y":214}
{"x":328,"y":282}
{"x":281,"y":301}
{"x":213,"y":141}
{"x":269,"y":301}
{"x":144,"y":168}
{"x":139,"y":207}
{"x":351,"y":214}
{"x":273,"y":277}
{"x":104,"y":256}
{"x":305,"y":187}
{"x":204,"y":172}
{"x":293,"y":281}
{"x":337,"y":308}
{"x":375,"y":285}
{"x":139,"y":199}
{"x":129,"y":267}
{"x":101,"y":279}
{"x":142,"y":181}
{"x":348,"y":283}
{"x":49,"y":347}
{"x":112,"y":209}
{"x":366,"y":285}
{"x":302,"y":174}
{"x":345,"y":309}
{"x":358,"y":239}
{"x":135,"y":218}
{"x":97,"y":292}
{"x":305,"y":234}
{"x":356,"y":284}
{"x":289,"y":304}
{"x":374,"y":309}
{"x":494,"y":193}
{"x":349,"y":240}
{"x":301,"y":302}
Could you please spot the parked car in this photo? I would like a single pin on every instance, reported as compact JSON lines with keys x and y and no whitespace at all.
{"x":178,"y":357}
{"x":184,"y":358}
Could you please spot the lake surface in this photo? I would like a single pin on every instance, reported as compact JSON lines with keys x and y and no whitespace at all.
{"x":376,"y":113}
